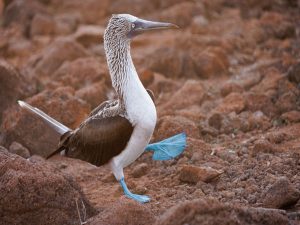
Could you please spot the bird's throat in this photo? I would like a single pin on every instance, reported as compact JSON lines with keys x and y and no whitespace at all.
{"x":122,"y":71}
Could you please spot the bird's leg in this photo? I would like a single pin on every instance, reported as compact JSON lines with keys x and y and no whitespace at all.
{"x":168,"y":148}
{"x":119,"y":175}
{"x":139,"y":198}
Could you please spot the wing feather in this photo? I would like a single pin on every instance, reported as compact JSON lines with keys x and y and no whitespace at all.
{"x":99,"y":139}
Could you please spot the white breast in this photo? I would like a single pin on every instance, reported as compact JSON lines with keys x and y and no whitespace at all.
{"x":141,"y":112}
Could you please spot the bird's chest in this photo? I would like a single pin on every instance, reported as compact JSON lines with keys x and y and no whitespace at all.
{"x":141,"y":110}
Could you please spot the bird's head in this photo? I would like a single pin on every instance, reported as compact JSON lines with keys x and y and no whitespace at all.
{"x":123,"y":27}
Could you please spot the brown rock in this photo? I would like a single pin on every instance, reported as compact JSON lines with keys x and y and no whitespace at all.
{"x":146,"y":76}
{"x":199,"y":24}
{"x":215,"y":120}
{"x":180,"y":14}
{"x":134,"y":7}
{"x":249,"y":79}
{"x":230,"y":87}
{"x":52,"y":57}
{"x":171,"y":62}
{"x":35,"y":193}
{"x":194,"y":174}
{"x":19,"y":47}
{"x":42,"y":24}
{"x":93,"y":94}
{"x":245,"y":121}
{"x":260,"y":102}
{"x":124,"y":212}
{"x":263,"y":145}
{"x":80,"y":73}
{"x":269,"y":82}
{"x":2,"y":149}
{"x":233,"y":102}
{"x":1,"y":7}
{"x":276,"y":137}
{"x":140,"y":170}
{"x":287,"y":101}
{"x":193,"y":112}
{"x":22,"y":12}
{"x":66,"y":23}
{"x":275,"y":24}
{"x":88,"y":35}
{"x":31,"y":132}
{"x":171,"y":125}
{"x":293,"y":73}
{"x":191,"y":93}
{"x":162,"y":84}
{"x":210,"y":62}
{"x":12,"y":86}
{"x":292,"y":116}
{"x":281,"y":194}
{"x":17,"y":148}
{"x":92,"y":11}
{"x":212,"y":212}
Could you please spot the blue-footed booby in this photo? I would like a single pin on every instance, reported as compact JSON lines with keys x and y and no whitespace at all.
{"x":118,"y":131}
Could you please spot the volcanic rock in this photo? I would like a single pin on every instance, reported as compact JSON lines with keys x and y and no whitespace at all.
{"x":210,"y":62}
{"x":260,"y":102}
{"x":194,"y":174}
{"x":124,"y":212}
{"x":140,"y":170}
{"x":171,"y":63}
{"x":230,"y":87}
{"x":31,"y":132}
{"x":171,"y":125}
{"x":36,"y":193}
{"x":22,"y":12}
{"x":42,"y":25}
{"x":281,"y":194}
{"x":263,"y":145}
{"x":52,"y":57}
{"x":212,"y":212}
{"x":92,"y":11}
{"x":161,"y":84}
{"x":180,"y":14}
{"x":294,"y":73}
{"x":94,"y":94}
{"x":134,"y":7}
{"x":233,"y":102}
{"x":89,"y":35}
{"x":12,"y":86}
{"x":80,"y":73}
{"x":191,"y":93}
{"x":291,"y":117}
{"x":66,"y":23}
{"x":19,"y":149}
{"x":273,"y":25}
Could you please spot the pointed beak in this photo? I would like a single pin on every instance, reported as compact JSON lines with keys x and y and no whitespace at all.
{"x":140,"y":26}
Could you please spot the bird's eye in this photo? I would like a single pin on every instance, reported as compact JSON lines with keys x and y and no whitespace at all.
{"x":132,"y":25}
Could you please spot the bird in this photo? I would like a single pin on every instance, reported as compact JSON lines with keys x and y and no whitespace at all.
{"x":118,"y":131}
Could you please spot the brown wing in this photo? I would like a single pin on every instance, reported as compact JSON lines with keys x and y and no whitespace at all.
{"x":99,"y":139}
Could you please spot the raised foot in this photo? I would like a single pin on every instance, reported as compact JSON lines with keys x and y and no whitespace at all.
{"x":168,"y":148}
{"x":139,"y":198}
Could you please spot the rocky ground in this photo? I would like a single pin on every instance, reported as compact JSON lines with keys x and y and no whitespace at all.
{"x":229,"y":78}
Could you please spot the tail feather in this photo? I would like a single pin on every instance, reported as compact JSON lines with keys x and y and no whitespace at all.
{"x":57,"y":126}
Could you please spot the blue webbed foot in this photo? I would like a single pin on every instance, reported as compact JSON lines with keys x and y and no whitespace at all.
{"x":168,"y":148}
{"x":139,"y":198}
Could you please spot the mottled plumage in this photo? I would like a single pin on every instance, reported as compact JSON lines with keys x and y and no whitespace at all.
{"x":117,"y":131}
